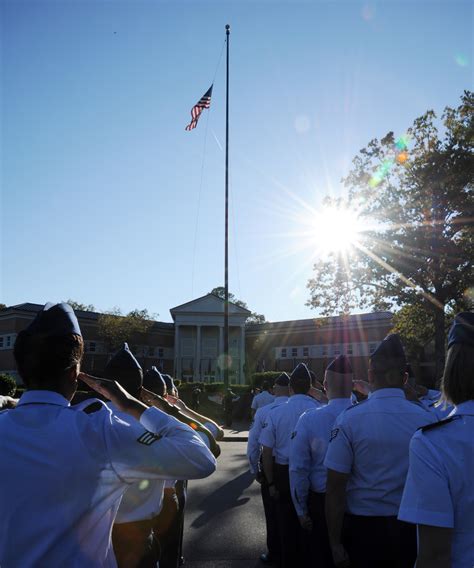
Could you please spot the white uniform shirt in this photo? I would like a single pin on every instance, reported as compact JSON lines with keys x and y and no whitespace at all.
{"x":308,"y":448}
{"x":430,"y":402}
{"x":439,"y":490}
{"x":262,"y":399}
{"x":64,"y":472}
{"x":370,"y":442}
{"x":281,"y":422}
{"x":253,"y":444}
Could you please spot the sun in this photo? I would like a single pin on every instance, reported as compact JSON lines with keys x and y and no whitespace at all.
{"x":336,"y":229}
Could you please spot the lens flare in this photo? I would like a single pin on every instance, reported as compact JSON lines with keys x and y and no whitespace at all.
{"x":336,"y":229}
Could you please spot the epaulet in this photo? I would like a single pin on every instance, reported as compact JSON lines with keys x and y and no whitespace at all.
{"x":93,"y":407}
{"x":437,"y":424}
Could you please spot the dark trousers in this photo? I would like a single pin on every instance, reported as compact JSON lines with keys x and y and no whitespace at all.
{"x":169,"y":527}
{"x":319,"y":549}
{"x":269,"y":507}
{"x":293,"y":543}
{"x":375,"y":542}
{"x":135,"y":544}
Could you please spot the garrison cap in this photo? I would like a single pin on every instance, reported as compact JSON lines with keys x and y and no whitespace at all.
{"x":300,"y":376}
{"x":55,"y":320}
{"x":462,"y":330}
{"x":153,"y":381}
{"x":341,"y":365}
{"x":125,"y":369}
{"x":282,"y":380}
{"x":389,"y":349}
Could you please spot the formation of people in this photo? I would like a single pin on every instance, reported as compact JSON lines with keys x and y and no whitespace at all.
{"x":376,"y":474}
{"x":99,"y":483}
{"x":369,"y":474}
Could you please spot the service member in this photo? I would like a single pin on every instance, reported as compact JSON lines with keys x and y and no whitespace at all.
{"x":262,"y":399}
{"x":439,"y":491}
{"x":367,"y":461}
{"x":275,"y":439}
{"x":307,"y":452}
{"x":64,"y":470}
{"x":281,"y":391}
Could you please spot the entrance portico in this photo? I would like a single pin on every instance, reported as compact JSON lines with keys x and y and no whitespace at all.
{"x":199,"y":340}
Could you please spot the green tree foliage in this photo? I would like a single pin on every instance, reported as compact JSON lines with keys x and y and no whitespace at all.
{"x":77,"y":306}
{"x":116,"y":328}
{"x":7,"y":385}
{"x":253,"y":318}
{"x":415,"y":196}
{"x":3,"y":306}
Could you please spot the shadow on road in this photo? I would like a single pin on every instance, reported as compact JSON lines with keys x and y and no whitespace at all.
{"x":224,"y":498}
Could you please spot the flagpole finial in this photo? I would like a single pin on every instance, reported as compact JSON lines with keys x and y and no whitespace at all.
{"x":227,"y":29}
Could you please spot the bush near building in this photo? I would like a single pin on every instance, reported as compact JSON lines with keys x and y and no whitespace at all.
{"x":7,"y":385}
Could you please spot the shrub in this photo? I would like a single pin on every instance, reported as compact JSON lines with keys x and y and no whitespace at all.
{"x":259,"y":378}
{"x":7,"y":385}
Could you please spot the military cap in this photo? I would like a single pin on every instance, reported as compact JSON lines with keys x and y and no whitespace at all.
{"x":341,"y":365}
{"x":300,"y":376}
{"x":282,"y":380}
{"x":462,"y":330}
{"x":153,"y":381}
{"x":389,"y":349}
{"x":54,"y":320}
{"x":125,"y":369}
{"x":169,"y":382}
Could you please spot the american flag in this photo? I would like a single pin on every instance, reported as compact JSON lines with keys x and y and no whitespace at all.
{"x":204,"y":102}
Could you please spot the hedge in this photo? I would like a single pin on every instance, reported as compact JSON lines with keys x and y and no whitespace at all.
{"x":269,"y":376}
{"x":7,"y":385}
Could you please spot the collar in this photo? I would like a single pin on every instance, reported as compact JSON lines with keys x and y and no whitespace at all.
{"x":340,"y":401}
{"x":43,"y":397}
{"x":466,"y":407}
{"x":280,"y":399}
{"x":388,"y":393}
{"x":296,"y":397}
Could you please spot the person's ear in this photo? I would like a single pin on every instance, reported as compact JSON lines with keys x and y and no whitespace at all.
{"x":405,"y":378}
{"x":73,"y":372}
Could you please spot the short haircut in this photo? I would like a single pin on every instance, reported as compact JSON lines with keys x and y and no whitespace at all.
{"x":300,"y":385}
{"x":265,"y":385}
{"x":42,"y":360}
{"x":458,"y":378}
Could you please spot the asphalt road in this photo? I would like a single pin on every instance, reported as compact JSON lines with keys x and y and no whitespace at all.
{"x":224,"y":523}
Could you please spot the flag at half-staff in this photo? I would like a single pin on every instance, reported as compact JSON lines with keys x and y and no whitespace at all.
{"x":204,"y":102}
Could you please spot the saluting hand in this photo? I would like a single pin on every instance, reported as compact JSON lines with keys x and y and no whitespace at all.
{"x":152,"y":399}
{"x":7,"y":402}
{"x":175,"y":401}
{"x":112,"y":391}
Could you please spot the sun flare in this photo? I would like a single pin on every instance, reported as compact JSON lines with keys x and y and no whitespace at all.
{"x":336,"y":229}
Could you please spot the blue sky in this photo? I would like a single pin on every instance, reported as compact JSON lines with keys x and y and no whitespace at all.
{"x":107,"y":200}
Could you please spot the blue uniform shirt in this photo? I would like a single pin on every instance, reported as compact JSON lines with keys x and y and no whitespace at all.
{"x":253,"y":444}
{"x":439,"y":490}
{"x":281,"y":422}
{"x":64,"y":472}
{"x":370,"y":442}
{"x":308,"y":449}
{"x":430,"y":402}
{"x":262,"y":399}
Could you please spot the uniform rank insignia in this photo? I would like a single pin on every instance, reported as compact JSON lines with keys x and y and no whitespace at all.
{"x":147,"y":438}
{"x":334,"y":433}
{"x":293,"y":434}
{"x":264,"y":425}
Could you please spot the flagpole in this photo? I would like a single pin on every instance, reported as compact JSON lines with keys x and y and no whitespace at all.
{"x":226,"y":246}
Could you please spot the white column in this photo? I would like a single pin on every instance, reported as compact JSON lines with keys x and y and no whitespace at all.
{"x":177,"y":353}
{"x":197,"y":365}
{"x":221,"y":350}
{"x":242,"y":354}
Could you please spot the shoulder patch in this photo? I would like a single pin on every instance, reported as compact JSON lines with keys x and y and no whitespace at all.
{"x":94,"y":407}
{"x":293,"y":434}
{"x":437,"y":424}
{"x":334,"y":434}
{"x":148,"y":438}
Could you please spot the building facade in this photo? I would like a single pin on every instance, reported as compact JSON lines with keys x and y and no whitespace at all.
{"x":191,"y":347}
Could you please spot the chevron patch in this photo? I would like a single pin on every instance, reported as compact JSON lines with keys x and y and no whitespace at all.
{"x":147,"y":438}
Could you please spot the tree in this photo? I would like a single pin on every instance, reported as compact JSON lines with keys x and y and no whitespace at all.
{"x":77,"y":306}
{"x":116,"y":328}
{"x":7,"y":385}
{"x":253,"y":318}
{"x":415,"y":195}
{"x":3,"y":306}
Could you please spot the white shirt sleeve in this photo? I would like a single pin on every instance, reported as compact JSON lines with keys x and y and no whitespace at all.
{"x":339,"y":456}
{"x":159,"y":447}
{"x":300,"y":467}
{"x":253,"y":445}
{"x":268,"y":434}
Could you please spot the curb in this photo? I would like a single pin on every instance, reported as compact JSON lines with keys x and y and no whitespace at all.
{"x":235,"y":439}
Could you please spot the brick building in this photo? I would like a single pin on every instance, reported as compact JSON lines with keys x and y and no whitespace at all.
{"x":190,"y":347}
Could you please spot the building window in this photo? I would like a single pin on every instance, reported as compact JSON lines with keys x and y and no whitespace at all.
{"x":1,"y":342}
{"x":161,"y":352}
{"x":9,"y":341}
{"x":324,"y":350}
{"x":349,"y":350}
{"x":92,"y":347}
{"x":294,"y":351}
{"x":283,"y":353}
{"x":305,"y":351}
{"x":337,"y":352}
